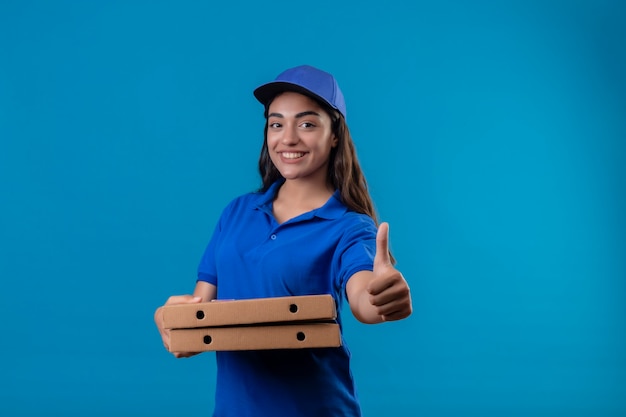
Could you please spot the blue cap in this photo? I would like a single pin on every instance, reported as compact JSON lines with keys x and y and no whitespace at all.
{"x":306,"y":80}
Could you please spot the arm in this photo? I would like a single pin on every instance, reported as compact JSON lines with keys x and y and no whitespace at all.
{"x":382,"y":294}
{"x":202,"y":293}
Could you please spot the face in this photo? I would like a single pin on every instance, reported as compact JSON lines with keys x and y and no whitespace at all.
{"x":299,"y":137}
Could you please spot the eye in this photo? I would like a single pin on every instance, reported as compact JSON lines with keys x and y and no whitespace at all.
{"x":307,"y":125}
{"x":274,"y":125}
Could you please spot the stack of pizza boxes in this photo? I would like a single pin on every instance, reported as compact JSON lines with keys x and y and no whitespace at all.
{"x":294,"y":322}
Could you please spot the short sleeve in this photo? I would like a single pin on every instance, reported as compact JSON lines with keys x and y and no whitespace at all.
{"x":356,"y":250}
{"x":207,"y":269}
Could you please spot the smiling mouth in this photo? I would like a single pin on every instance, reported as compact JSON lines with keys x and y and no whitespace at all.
{"x":292,"y":155}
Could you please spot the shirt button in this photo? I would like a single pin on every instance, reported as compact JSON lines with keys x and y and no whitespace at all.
{"x":273,"y":237}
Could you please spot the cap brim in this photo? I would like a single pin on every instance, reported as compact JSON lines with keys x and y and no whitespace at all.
{"x":266,"y":93}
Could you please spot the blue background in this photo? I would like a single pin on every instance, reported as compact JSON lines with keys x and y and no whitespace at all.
{"x":492,"y":135}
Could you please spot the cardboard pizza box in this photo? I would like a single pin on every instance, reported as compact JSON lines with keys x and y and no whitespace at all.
{"x":288,"y":336}
{"x":250,"y":311}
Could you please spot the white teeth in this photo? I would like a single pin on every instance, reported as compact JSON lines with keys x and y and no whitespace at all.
{"x":293,"y":155}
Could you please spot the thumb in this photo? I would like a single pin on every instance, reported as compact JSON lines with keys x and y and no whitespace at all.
{"x":382,"y":246}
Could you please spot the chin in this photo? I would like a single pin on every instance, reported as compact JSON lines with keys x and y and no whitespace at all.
{"x":290,"y":176}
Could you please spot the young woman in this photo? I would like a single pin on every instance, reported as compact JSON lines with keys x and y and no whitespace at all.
{"x":310,"y":229}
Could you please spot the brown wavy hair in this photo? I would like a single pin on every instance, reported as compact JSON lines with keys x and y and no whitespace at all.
{"x":344,"y":170}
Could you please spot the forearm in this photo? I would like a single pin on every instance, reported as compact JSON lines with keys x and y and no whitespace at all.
{"x":360,"y":299}
{"x":205,"y":291}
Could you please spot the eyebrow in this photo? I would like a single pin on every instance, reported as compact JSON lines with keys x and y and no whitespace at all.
{"x":299,"y":115}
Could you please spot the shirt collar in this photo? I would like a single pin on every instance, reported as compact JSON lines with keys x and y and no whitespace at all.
{"x":333,"y":208}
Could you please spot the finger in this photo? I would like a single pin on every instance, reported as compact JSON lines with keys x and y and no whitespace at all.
{"x":386,"y":276}
{"x":395,"y":308}
{"x":397,"y":315}
{"x":179,"y":355}
{"x":382,"y":246}
{"x":183,"y":299}
{"x":377,"y":286}
{"x":385,"y":291}
{"x":386,"y":296}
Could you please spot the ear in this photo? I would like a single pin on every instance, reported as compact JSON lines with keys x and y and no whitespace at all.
{"x":334,"y":141}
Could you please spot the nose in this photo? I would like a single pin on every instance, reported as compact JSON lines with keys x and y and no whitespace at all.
{"x":290,"y":135}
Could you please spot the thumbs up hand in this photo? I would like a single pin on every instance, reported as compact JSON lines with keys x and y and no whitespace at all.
{"x":388,"y":291}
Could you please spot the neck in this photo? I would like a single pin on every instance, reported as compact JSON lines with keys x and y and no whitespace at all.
{"x":296,"y":197}
{"x":302,"y":191}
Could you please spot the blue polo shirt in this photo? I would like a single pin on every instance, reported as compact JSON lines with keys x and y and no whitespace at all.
{"x":251,"y":255}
